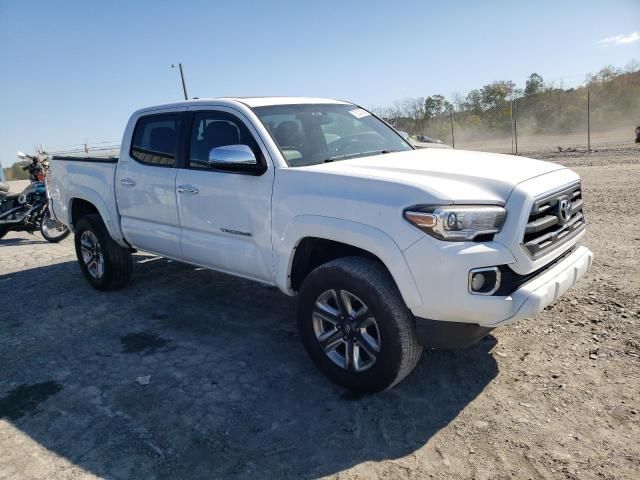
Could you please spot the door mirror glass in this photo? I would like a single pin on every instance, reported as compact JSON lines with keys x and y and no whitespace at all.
{"x":232,"y":155}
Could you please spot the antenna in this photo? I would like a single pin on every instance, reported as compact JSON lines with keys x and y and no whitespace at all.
{"x":184,"y":85}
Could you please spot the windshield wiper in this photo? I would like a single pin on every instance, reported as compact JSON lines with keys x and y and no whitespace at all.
{"x":360,"y":154}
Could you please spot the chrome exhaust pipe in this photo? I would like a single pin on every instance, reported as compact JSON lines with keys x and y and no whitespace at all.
{"x":7,"y":222}
{"x":10,"y":211}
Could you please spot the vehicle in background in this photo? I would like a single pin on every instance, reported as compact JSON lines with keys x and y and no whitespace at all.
{"x":427,"y":139}
{"x":28,"y":211}
{"x":390,"y":249}
{"x":637,"y":134}
{"x":422,"y":141}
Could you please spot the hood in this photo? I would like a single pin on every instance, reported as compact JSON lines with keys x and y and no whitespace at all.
{"x":459,"y":176}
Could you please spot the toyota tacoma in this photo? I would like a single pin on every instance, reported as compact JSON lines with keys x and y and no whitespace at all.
{"x":389,"y":249}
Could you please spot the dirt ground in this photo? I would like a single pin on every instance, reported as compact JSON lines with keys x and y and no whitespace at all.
{"x":193,"y":374}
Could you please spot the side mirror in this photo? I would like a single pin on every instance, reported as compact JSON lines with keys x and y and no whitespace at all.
{"x":21,"y":155}
{"x":232,"y":155}
{"x":404,"y":135}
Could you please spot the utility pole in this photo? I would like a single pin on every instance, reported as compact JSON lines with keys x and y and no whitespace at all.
{"x":588,"y":119}
{"x":453,"y":139}
{"x":511,"y":124}
{"x":184,"y":85}
{"x":515,"y":124}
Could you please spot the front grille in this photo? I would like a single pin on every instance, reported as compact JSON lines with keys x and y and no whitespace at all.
{"x":511,"y":281}
{"x":550,"y":225}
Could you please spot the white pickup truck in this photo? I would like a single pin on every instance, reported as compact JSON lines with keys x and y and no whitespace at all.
{"x":390,"y":249}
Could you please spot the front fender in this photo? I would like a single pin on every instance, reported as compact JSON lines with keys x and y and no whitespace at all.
{"x":109,"y":215}
{"x":352,"y":233}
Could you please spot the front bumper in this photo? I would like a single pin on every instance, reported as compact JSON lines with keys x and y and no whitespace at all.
{"x":545,"y":289}
{"x":443,"y":284}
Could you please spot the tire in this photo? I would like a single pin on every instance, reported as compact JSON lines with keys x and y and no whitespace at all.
{"x":45,"y":232}
{"x":115,"y":271}
{"x":3,"y":231}
{"x":366,"y":283}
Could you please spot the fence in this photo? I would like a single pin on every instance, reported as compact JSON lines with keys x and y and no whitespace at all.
{"x":587,"y":117}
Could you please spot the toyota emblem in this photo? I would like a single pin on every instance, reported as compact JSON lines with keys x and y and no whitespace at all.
{"x":564,"y":210}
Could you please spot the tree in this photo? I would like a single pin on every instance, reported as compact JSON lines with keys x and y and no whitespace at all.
{"x":544,"y":107}
{"x":606,"y":74}
{"x":496,"y":94}
{"x":458,"y":101}
{"x":632,"y":67}
{"x":434,"y":106}
{"x":474,"y":101}
{"x":534,"y":85}
{"x":414,"y":109}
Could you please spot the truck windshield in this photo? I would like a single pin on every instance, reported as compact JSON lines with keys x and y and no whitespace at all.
{"x":315,"y":133}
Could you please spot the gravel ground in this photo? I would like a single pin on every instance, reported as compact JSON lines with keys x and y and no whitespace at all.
{"x":193,"y":374}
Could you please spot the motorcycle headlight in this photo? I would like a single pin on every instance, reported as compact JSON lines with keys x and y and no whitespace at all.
{"x":457,"y":223}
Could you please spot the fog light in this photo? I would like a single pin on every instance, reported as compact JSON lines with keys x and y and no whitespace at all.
{"x":484,"y":281}
{"x":477,"y":281}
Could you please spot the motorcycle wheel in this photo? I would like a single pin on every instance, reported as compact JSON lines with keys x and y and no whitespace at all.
{"x":51,"y":230}
{"x":3,"y":231}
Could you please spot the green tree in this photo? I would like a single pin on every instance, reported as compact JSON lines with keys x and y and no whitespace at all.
{"x":434,"y":106}
{"x":496,"y":94}
{"x":533,"y":85}
{"x":474,"y":101}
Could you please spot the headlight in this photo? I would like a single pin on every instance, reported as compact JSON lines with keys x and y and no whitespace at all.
{"x":457,"y":223}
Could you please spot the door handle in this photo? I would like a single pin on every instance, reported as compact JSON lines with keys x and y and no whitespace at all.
{"x":128,"y":182}
{"x":188,"y":189}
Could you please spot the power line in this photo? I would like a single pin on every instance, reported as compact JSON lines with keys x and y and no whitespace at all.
{"x":82,"y":144}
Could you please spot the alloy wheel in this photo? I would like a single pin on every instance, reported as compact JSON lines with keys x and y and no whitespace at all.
{"x":346,"y":330}
{"x":92,"y":255}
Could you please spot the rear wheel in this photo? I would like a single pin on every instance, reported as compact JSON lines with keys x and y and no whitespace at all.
{"x":105,"y":264}
{"x":355,"y":325}
{"x":3,"y":231}
{"x":52,"y":230}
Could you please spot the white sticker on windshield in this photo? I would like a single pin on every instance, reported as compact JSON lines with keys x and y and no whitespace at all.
{"x":359,"y":113}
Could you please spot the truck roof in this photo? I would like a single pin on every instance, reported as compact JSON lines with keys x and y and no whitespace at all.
{"x":268,"y":101}
{"x":251,"y":101}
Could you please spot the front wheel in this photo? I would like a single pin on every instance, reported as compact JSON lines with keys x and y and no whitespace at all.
{"x":3,"y":231}
{"x":355,"y":326}
{"x":105,"y":264}
{"x":52,"y":230}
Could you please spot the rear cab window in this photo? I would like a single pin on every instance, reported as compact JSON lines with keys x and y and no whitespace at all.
{"x":155,"y":139}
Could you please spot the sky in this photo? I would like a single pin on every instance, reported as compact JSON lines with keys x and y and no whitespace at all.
{"x":75,"y":71}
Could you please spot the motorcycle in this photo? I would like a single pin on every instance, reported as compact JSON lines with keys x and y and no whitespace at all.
{"x":28,"y":211}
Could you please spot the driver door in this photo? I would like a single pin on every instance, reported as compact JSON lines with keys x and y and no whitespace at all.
{"x":225,"y":214}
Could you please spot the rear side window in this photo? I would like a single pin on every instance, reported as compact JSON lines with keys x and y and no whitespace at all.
{"x":155,"y":139}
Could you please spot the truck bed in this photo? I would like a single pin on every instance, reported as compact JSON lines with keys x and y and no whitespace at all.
{"x":87,"y":178}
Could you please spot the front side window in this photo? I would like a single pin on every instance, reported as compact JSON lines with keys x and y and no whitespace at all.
{"x":315,"y":133}
{"x":154,"y":140}
{"x":214,"y":129}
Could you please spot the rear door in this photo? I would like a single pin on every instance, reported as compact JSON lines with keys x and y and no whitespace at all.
{"x":146,"y":184}
{"x":225,"y":215}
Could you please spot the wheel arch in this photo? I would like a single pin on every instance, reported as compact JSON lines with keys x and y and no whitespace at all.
{"x":88,"y":202}
{"x":310,"y":241}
